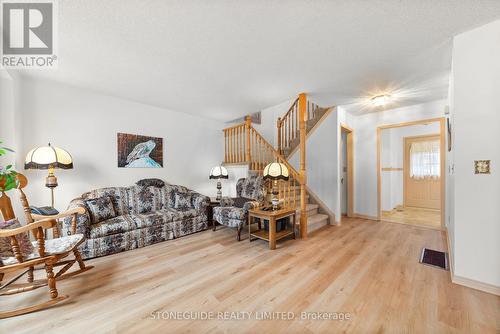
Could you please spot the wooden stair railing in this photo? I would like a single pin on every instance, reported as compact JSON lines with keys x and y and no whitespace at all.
{"x":235,"y":144}
{"x":289,"y":125}
{"x":244,"y":144}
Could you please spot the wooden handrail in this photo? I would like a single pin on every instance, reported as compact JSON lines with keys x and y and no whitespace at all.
{"x":277,"y":155}
{"x":289,"y":125}
{"x":234,"y":126}
{"x":290,"y":109}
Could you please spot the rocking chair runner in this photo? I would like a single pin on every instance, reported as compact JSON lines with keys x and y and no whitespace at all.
{"x":49,"y":253}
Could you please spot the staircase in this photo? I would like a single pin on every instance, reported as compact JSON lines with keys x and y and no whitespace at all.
{"x":288,"y":130}
{"x":244,"y":144}
{"x":315,"y":219}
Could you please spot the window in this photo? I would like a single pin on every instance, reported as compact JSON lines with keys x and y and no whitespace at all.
{"x":424,"y":160}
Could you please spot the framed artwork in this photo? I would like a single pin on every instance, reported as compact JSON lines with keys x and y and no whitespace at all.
{"x":481,"y":166}
{"x":136,"y":151}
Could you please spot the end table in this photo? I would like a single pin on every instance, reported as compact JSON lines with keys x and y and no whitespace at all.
{"x":210,"y":212}
{"x":272,"y":216}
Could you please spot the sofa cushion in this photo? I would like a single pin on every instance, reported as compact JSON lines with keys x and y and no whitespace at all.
{"x":181,"y":214}
{"x":100,"y":209}
{"x":168,"y":194}
{"x":119,"y":197}
{"x":111,"y":226}
{"x":23,"y":241}
{"x":144,"y":199}
{"x":223,"y":213}
{"x":183,"y":201}
{"x":251,"y":187}
{"x":239,"y":202}
{"x":126,"y":223}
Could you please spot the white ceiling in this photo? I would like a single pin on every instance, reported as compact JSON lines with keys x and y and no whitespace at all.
{"x":223,"y":59}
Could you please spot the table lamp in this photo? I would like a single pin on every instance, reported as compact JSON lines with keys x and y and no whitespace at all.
{"x":275,"y":171}
{"x":49,"y":157}
{"x":219,"y":172}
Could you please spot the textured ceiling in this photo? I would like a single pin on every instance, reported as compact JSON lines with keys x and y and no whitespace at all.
{"x":222,"y":59}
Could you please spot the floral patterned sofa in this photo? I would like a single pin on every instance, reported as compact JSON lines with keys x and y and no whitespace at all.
{"x":123,"y":218}
{"x":233,"y":212}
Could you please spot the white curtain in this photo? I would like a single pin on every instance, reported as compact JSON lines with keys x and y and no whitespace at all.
{"x":424,"y":160}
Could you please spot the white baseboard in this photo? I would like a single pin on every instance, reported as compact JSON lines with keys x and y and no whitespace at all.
{"x":450,"y":254}
{"x":358,"y":215}
{"x":470,"y":283}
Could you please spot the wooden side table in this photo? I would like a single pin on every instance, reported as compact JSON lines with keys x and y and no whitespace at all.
{"x":272,"y":216}
{"x":210,"y":212}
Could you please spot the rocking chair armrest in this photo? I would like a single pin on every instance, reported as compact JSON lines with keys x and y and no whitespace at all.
{"x":77,"y":210}
{"x":44,"y":223}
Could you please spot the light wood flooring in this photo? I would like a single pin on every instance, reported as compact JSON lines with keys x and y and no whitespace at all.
{"x":414,"y":216}
{"x":366,"y":268}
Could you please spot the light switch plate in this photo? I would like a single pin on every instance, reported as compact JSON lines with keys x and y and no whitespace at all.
{"x":482,"y":166}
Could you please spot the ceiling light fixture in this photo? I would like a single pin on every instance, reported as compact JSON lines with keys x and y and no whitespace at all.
{"x":380,"y":100}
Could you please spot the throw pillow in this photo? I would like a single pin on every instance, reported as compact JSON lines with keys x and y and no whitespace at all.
{"x":100,"y":209}
{"x":23,"y":240}
{"x":182,"y":201}
{"x":151,"y":183}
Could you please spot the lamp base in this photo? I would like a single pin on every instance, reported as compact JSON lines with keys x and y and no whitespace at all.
{"x":275,"y":200}
{"x":51,"y":183}
{"x":219,"y":192}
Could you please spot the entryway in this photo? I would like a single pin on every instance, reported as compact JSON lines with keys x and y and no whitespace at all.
{"x":411,"y":173}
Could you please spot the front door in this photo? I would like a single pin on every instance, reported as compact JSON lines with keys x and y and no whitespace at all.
{"x":422,"y":179}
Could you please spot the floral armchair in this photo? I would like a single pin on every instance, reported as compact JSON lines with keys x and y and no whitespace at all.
{"x":233,"y":212}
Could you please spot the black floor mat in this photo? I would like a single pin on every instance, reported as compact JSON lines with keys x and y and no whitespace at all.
{"x":434,"y":258}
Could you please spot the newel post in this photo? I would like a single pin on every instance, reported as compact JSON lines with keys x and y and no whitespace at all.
{"x":302,"y":171}
{"x":248,"y":125}
{"x":278,"y":124}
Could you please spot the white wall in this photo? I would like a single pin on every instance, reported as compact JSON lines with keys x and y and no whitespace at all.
{"x":322,"y":163}
{"x":7,"y":115}
{"x":365,"y":148}
{"x":268,"y":128}
{"x":86,"y":125}
{"x":392,"y":155}
{"x":476,"y":126}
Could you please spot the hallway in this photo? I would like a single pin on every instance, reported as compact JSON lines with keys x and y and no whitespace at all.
{"x":414,"y":216}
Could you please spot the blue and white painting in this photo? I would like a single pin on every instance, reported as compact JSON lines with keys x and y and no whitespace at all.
{"x":136,"y":151}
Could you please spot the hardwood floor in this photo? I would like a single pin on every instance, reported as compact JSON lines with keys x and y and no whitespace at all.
{"x":365,"y":268}
{"x":414,"y":216}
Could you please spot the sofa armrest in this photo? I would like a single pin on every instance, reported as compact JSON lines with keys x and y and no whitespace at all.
{"x":251,"y":205}
{"x":200,"y":202}
{"x":226,"y":201}
{"x":82,"y":220}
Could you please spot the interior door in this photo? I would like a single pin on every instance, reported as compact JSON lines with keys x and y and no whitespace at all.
{"x":422,"y":179}
{"x":343,"y":172}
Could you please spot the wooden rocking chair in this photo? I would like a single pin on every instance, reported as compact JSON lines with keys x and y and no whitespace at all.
{"x":49,"y":253}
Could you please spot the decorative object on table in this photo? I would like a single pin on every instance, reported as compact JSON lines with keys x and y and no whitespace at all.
{"x":49,"y":157}
{"x":219,"y":172}
{"x":275,"y":171}
{"x":272,"y":234}
{"x":136,"y":151}
{"x":482,"y":166}
{"x":233,"y":212}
